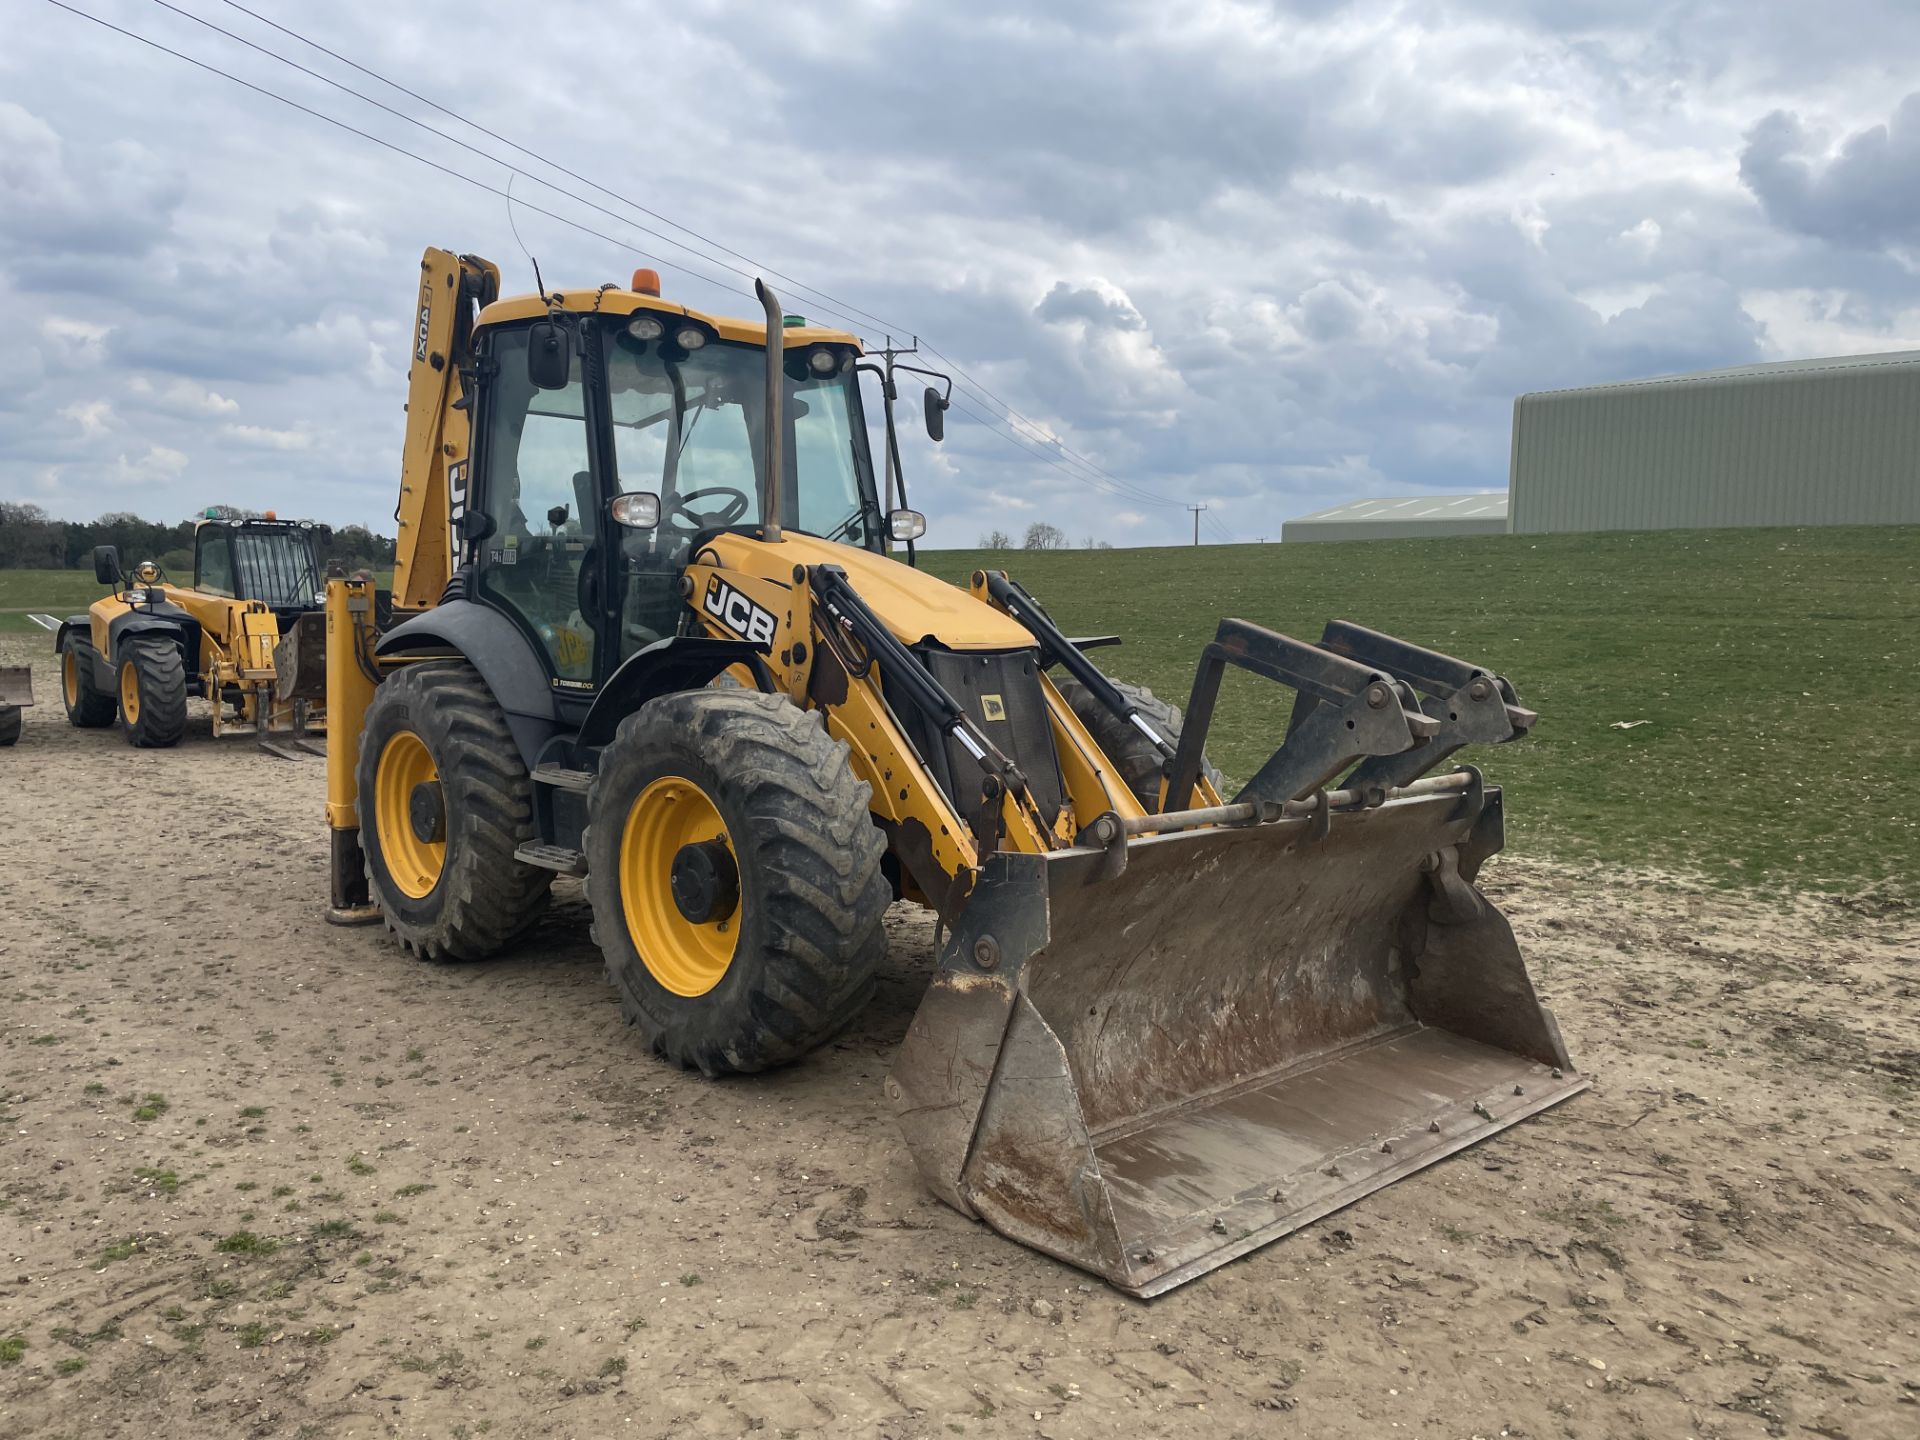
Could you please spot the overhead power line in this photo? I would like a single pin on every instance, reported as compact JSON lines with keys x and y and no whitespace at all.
{"x":1021,"y":428}
{"x":1032,"y":429}
{"x":556,"y":165}
{"x":1043,"y":456}
{"x":367,"y":135}
{"x":476,"y":150}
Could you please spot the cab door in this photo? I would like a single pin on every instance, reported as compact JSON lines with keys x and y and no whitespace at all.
{"x":542,"y":563}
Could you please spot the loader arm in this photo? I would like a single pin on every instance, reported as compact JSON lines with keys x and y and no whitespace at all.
{"x":434,"y":460}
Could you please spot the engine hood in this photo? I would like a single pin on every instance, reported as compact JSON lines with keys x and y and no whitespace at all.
{"x":914,"y":605}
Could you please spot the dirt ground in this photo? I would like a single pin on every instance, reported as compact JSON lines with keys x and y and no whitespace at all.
{"x":263,"y":1177}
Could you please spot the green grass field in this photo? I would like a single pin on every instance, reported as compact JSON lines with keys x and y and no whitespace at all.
{"x":1773,"y":669}
{"x":52,"y":592}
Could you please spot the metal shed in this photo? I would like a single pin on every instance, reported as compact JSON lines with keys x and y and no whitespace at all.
{"x":1403,"y":518}
{"x":1797,"y":442}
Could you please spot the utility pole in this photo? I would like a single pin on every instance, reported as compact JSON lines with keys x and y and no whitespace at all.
{"x":1196,"y":509}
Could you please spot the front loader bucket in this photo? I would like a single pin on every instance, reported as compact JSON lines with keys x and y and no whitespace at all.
{"x":300,"y":660}
{"x":16,"y":685}
{"x":1150,"y":1059}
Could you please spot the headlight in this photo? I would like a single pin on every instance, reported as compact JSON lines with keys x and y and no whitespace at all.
{"x":822,"y":361}
{"x":646,"y":327}
{"x":689,"y":337}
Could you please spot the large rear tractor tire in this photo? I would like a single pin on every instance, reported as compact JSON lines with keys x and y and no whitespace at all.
{"x":444,"y":802}
{"x":1131,"y":752}
{"x":87,"y":707}
{"x":153,"y":693}
{"x":734,"y":873}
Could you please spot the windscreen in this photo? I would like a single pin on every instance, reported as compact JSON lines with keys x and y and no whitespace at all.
{"x":275,"y":566}
{"x":689,"y":425}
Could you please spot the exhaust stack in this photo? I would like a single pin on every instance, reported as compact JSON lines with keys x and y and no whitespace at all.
{"x":776,"y":426}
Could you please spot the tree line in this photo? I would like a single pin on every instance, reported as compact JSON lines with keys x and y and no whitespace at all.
{"x":30,"y":539}
{"x":1040,"y":536}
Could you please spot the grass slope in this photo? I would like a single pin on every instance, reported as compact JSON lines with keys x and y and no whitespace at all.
{"x":1773,"y":667}
{"x":52,"y":592}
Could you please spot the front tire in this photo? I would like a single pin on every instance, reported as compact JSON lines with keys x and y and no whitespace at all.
{"x":9,"y":724}
{"x":1135,"y":756}
{"x":153,"y":693}
{"x":734,"y":874}
{"x":88,"y":708}
{"x":444,"y":802}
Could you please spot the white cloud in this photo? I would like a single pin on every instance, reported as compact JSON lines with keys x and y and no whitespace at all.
{"x":184,"y":396}
{"x":266,"y":438}
{"x":94,"y":417}
{"x":1643,"y":237}
{"x":1284,"y":255}
{"x":75,"y":343}
{"x":157,"y":465}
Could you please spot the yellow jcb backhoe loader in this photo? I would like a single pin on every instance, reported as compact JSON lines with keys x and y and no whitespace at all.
{"x":647,"y":628}
{"x":237,"y":636}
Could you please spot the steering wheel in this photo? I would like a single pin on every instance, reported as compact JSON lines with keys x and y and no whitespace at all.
{"x":738,"y":502}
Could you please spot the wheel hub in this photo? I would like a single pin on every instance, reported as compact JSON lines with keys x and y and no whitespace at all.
{"x":705,"y":881}
{"x":427,"y":813}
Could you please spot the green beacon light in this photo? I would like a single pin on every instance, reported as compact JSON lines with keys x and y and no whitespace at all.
{"x":793,"y":322}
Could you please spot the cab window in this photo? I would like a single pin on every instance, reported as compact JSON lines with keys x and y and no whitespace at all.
{"x":213,"y":561}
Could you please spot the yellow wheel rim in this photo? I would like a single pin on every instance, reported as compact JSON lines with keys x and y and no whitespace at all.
{"x":687,"y":957}
{"x":130,"y":693}
{"x":70,"y":676}
{"x":413,"y":864}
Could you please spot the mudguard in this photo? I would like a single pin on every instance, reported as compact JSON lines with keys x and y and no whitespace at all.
{"x":504,"y":656}
{"x":680,"y":662}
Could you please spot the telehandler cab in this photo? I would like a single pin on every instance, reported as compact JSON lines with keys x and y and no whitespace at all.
{"x":646,"y":628}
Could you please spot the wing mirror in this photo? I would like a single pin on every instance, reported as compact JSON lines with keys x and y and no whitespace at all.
{"x":936,"y":409}
{"x":549,"y":358}
{"x":106,"y":564}
{"x":637,"y":509}
{"x":904,"y":525}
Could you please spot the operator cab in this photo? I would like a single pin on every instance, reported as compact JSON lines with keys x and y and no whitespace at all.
{"x":276,"y":562}
{"x":589,"y":398}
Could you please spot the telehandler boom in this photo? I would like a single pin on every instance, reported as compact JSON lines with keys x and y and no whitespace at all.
{"x":646,"y":627}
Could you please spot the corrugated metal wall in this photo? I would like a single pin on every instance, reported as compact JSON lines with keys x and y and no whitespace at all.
{"x":1834,"y":445}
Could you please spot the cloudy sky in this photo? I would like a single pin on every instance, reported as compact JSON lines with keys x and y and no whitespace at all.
{"x":1259,"y":257}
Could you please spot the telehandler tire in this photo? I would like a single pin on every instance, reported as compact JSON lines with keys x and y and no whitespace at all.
{"x":9,"y":724}
{"x":444,"y":802}
{"x":734,"y":874}
{"x":1138,"y":761}
{"x":153,"y":693}
{"x":87,"y":707}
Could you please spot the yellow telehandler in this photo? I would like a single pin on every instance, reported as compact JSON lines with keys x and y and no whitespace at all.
{"x":647,"y":627}
{"x":238,"y":636}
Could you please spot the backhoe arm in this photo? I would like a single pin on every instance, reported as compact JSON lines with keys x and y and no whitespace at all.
{"x":433,"y":467}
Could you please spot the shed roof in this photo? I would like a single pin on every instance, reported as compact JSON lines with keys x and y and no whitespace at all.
{"x":1492,"y":505}
{"x":1764,"y":370}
